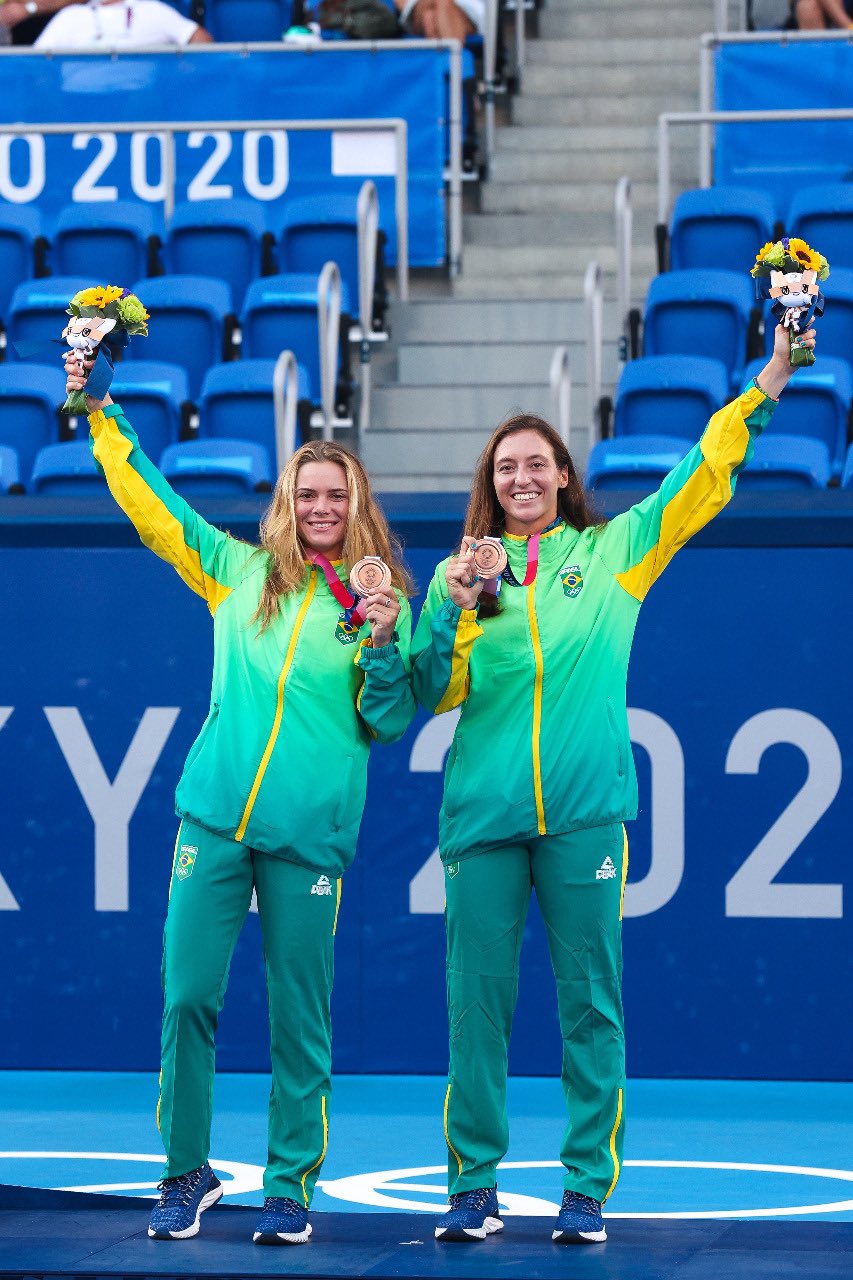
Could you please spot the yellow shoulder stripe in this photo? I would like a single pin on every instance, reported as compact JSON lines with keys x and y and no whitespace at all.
{"x":459,"y":684}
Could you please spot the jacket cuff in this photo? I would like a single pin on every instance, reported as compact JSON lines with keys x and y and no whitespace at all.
{"x":451,"y":612}
{"x":370,"y":657}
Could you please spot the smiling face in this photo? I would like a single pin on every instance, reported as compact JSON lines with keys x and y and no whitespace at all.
{"x":321,"y":503}
{"x":527,"y":479}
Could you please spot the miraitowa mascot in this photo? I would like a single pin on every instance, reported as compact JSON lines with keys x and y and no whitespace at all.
{"x":103,"y":319}
{"x":789,"y":272}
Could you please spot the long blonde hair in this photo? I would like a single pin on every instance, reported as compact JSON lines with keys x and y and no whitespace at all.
{"x":367,"y":532}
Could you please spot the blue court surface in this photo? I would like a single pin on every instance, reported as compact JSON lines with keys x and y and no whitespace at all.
{"x":722,"y":1181}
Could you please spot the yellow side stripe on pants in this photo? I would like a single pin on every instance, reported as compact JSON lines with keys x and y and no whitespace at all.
{"x":337,"y":908}
{"x":317,"y":1163}
{"x":615,"y":1130}
{"x":624,"y":870}
{"x":450,"y":1146}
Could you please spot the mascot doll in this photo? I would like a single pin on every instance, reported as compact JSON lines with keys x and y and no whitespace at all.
{"x":790,"y":273}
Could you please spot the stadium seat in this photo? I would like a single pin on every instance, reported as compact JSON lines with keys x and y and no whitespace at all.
{"x":835,"y":326}
{"x":21,"y":250}
{"x":38,"y":312}
{"x":847,"y":474}
{"x":634,"y":462}
{"x":816,"y":404}
{"x":110,"y":243}
{"x":320,"y":229}
{"x":153,"y":396}
{"x":66,"y":470}
{"x":700,"y":312}
{"x":242,"y":20}
{"x":823,"y":216}
{"x":237,"y":403}
{"x":669,"y":395}
{"x":217,"y":468}
{"x":280,"y":313}
{"x":740,"y":218}
{"x":30,"y":396}
{"x":10,"y":470}
{"x":787,"y":462}
{"x":223,"y":238}
{"x":190,"y":326}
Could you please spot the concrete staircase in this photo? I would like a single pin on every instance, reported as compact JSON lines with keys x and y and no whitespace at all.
{"x":596,"y":79}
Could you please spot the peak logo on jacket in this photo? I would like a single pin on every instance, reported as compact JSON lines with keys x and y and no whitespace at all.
{"x":607,"y":870}
{"x":572,"y":580}
{"x":323,"y":887}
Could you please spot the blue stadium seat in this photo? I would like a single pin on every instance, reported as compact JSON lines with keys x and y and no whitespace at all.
{"x":787,"y":462}
{"x":847,"y":474}
{"x":152,"y":395}
{"x":224,"y":238}
{"x":30,"y":395}
{"x":217,"y":468}
{"x":835,"y":326}
{"x":280,"y":314}
{"x":823,"y":216}
{"x":669,"y":395}
{"x":634,"y":462}
{"x":37,"y":312}
{"x":110,"y":243}
{"x":66,"y":470}
{"x":741,"y":218}
{"x":20,"y":239}
{"x":189,"y":323}
{"x":242,"y":20}
{"x":236,"y":402}
{"x":700,"y":312}
{"x":10,"y":470}
{"x":320,"y":229}
{"x":816,"y":403}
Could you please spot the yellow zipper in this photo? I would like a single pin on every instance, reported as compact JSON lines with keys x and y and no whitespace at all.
{"x":279,"y":707}
{"x":537,"y":709}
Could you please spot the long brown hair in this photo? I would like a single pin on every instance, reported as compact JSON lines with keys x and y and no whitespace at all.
{"x":485,"y":515}
{"x":367,"y":532}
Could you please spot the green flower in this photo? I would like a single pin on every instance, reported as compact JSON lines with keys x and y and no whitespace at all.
{"x":132,"y":315}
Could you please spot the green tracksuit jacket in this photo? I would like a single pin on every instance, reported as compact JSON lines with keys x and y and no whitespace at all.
{"x":542,"y":746}
{"x":281,"y":760}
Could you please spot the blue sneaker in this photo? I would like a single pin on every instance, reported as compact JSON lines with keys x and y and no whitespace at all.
{"x":282,"y":1221}
{"x":473,"y":1216}
{"x":182,"y":1202}
{"x":580,"y":1220}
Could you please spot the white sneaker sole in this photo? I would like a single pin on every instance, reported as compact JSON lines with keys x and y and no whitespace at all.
{"x":282,"y":1237}
{"x":208,"y":1200}
{"x":580,"y":1237}
{"x":489,"y":1226}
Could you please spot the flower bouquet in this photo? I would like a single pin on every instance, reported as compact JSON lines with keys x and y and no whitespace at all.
{"x":789,"y":272}
{"x":106,"y":318}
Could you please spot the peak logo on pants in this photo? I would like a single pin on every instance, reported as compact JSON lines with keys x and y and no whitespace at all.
{"x":323,"y":887}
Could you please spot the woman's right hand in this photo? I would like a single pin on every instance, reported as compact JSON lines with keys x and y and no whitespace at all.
{"x":461,"y":575}
{"x":75,"y":380}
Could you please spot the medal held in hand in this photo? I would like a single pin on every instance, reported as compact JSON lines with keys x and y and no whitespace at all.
{"x":489,"y":558}
{"x":790,"y":272}
{"x":370,"y":575}
{"x":102,"y":320}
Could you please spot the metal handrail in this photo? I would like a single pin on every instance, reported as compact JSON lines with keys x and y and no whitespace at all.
{"x":368,"y":230}
{"x":329,"y":331}
{"x":623,"y":218}
{"x":490,"y":63}
{"x":594,"y":315}
{"x":560,"y":378}
{"x":724,"y":117}
{"x":285,"y":393}
{"x":169,"y":129}
{"x":721,"y":15}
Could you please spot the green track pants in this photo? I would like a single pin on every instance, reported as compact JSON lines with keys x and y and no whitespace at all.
{"x":579,"y":880}
{"x":209,"y":898}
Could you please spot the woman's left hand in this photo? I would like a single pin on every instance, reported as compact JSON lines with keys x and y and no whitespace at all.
{"x":382,"y":610}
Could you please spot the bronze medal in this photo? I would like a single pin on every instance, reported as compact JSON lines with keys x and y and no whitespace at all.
{"x":489,"y":558}
{"x":370,"y":575}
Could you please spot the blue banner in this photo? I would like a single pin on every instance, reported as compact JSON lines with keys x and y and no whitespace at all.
{"x":270,"y":166}
{"x":781,"y":158}
{"x":737,"y":931}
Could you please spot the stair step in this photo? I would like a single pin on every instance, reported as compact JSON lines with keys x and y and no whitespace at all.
{"x":564,"y":20}
{"x":591,"y":168}
{"x":495,"y":261}
{"x":490,"y":321}
{"x":550,"y":286}
{"x":592,"y":137}
{"x":433,"y":407}
{"x":703,"y":8}
{"x":593,"y":199}
{"x":668,"y":51}
{"x":601,"y":82}
{"x":509,"y":363}
{"x":626,"y":108}
{"x":554,"y":228}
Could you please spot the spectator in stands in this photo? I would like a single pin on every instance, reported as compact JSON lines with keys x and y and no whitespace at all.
{"x":817,"y":15}
{"x":443,"y":19}
{"x":120,"y":23}
{"x":22,"y":21}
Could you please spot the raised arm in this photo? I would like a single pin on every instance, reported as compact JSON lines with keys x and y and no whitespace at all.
{"x":385,"y":700}
{"x":639,"y":544}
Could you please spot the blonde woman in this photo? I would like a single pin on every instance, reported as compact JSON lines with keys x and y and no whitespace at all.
{"x":271,"y":794}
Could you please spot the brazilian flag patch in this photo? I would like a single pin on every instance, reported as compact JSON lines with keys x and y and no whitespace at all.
{"x":572,"y":580}
{"x":187,"y":855}
{"x":345,"y":632}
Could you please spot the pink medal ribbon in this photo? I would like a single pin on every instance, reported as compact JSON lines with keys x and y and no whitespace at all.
{"x":493,"y":584}
{"x":354,"y":608}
